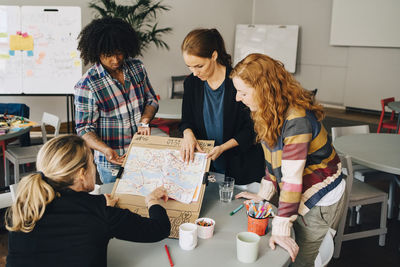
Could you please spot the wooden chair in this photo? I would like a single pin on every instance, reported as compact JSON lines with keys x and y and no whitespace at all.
{"x":175,"y":81}
{"x":22,"y":155}
{"x":360,"y":193}
{"x":359,"y":171}
{"x":390,"y":124}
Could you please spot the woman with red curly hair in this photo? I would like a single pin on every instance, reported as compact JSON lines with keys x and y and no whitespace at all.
{"x":302,"y":165}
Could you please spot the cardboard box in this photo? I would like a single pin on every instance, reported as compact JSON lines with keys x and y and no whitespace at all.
{"x":177,"y":212}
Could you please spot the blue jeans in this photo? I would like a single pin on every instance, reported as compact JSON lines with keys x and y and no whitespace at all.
{"x":106,"y":175}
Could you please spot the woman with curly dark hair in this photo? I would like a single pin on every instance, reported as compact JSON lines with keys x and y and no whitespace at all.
{"x":302,"y":165}
{"x":114,"y":99}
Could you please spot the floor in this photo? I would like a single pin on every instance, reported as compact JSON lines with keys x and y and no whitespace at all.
{"x":361,"y":252}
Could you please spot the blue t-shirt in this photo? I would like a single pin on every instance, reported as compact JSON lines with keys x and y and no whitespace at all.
{"x":213,"y":115}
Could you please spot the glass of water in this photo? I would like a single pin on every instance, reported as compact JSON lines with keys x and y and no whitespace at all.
{"x":226,"y":189}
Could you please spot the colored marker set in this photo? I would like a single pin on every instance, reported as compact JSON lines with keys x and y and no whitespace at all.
{"x":259,"y":211}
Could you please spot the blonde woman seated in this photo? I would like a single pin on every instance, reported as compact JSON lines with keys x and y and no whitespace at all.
{"x":55,"y":222}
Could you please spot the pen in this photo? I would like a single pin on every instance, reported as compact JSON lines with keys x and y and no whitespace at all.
{"x":169,"y":256}
{"x":236,"y":210}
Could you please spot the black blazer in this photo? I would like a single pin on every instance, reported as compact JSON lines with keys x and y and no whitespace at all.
{"x":245,"y":162}
{"x":75,"y":230}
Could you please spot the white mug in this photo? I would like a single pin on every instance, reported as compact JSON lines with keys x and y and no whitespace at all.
{"x":247,"y":246}
{"x":187,"y":236}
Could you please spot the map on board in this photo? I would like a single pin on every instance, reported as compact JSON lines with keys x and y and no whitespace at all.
{"x":148,"y":168}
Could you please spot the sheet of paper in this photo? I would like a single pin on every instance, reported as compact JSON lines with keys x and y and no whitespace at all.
{"x":149,"y":168}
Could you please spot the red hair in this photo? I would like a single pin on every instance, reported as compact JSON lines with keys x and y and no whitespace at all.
{"x":276,"y":91}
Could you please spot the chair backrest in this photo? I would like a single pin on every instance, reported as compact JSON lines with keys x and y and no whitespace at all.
{"x":50,"y":119}
{"x":326,"y":249}
{"x":5,"y":200}
{"x":341,"y":131}
{"x":13,"y":191}
{"x":177,"y":80}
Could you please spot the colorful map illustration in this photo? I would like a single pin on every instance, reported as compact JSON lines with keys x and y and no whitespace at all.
{"x":149,"y":168}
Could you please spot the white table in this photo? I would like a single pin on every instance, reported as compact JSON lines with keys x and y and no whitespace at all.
{"x":169,"y":109}
{"x":377,"y":151}
{"x":395,"y":106}
{"x":217,"y":251}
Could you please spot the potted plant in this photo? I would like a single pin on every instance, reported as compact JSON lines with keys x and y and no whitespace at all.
{"x":141,"y":14}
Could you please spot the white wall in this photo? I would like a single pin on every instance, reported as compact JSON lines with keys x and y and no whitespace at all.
{"x":349,"y":76}
{"x":161,"y":64}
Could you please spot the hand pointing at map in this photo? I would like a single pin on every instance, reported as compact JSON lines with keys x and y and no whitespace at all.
{"x":113,"y":157}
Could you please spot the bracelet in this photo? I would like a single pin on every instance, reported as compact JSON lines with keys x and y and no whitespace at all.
{"x":142,"y":124}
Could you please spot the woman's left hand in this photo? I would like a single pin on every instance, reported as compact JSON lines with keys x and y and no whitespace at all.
{"x":110,"y":201}
{"x":285,"y":242}
{"x":215,"y":152}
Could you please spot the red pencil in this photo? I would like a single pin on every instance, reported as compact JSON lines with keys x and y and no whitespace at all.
{"x":169,"y":256}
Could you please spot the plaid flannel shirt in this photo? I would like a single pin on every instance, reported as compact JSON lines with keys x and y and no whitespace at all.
{"x":111,"y":110}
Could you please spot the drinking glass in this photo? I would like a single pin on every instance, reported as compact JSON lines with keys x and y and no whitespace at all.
{"x":226,"y":189}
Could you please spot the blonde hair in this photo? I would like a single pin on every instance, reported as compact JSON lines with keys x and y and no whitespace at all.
{"x":58,"y":162}
{"x":276,"y":91}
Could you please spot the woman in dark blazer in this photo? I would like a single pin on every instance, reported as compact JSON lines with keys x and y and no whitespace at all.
{"x":210,"y":111}
{"x":56,"y":222}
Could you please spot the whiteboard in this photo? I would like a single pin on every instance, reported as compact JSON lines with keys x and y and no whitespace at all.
{"x":52,"y":65}
{"x":10,"y":63}
{"x":276,"y":41}
{"x":365,"y":23}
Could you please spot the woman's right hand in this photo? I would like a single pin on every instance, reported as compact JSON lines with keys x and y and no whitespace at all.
{"x":155,"y":196}
{"x":189,"y":146}
{"x":250,"y":196}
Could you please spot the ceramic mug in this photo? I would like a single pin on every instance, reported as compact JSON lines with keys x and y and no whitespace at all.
{"x":247,"y":246}
{"x":188,"y":236}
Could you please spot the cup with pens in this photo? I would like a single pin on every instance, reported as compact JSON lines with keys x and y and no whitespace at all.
{"x":258,"y":216}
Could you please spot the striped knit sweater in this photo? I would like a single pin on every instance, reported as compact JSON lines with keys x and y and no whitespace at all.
{"x":305,"y":166}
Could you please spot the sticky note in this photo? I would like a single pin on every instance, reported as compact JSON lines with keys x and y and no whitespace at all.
{"x":4,"y":56}
{"x":30,"y":53}
{"x":11,"y":53}
{"x":3,"y":34}
{"x":73,"y":54}
{"x":29,"y":73}
{"x":17,"y":42}
{"x":77,"y":63}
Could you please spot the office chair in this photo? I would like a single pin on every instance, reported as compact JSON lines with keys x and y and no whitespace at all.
{"x":175,"y":81}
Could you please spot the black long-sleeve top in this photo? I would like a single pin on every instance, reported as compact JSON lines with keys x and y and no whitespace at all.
{"x":245,"y":162}
{"x":76,"y":228}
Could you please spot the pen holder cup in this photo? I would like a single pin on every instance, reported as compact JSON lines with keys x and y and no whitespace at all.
{"x":205,"y":227}
{"x":258,"y":226}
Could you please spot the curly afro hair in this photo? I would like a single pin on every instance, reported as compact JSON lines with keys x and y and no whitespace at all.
{"x":107,"y":36}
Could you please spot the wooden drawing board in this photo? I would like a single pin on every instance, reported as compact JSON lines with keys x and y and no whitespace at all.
{"x":177,"y":212}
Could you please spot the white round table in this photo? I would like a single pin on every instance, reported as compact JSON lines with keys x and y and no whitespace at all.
{"x":220,"y":250}
{"x":377,"y":151}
